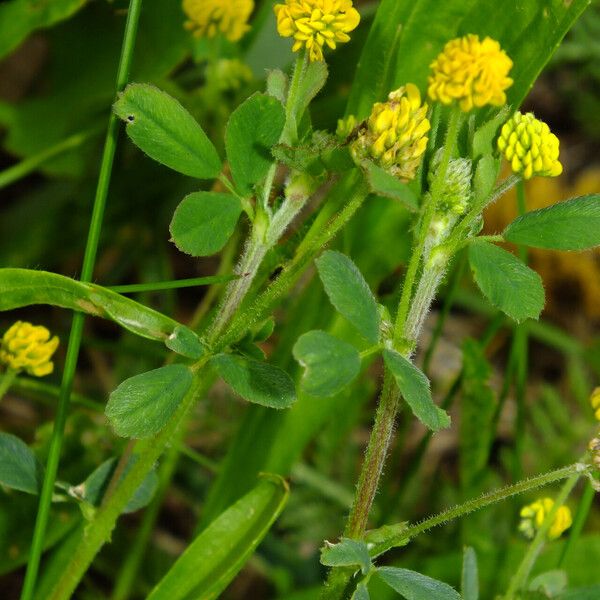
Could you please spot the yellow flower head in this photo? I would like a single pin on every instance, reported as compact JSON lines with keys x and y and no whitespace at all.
{"x":530,"y":147}
{"x":395,"y":134}
{"x":313,"y":23}
{"x":207,"y":18}
{"x":595,"y":402}
{"x":26,"y":347}
{"x":533,"y":516}
{"x":472,"y":72}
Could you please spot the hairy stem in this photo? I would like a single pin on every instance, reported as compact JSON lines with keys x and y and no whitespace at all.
{"x":461,"y":510}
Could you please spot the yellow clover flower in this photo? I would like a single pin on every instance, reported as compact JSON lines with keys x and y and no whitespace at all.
{"x":530,"y":147}
{"x":26,"y":347}
{"x":472,"y":72}
{"x":394,"y":136}
{"x":314,"y":23}
{"x":207,"y":18}
{"x":534,"y":514}
{"x":595,"y":402}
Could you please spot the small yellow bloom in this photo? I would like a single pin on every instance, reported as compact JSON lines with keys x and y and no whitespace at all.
{"x":207,"y":18}
{"x":595,"y":402}
{"x":533,"y":516}
{"x":26,"y":347}
{"x":395,"y":134}
{"x":472,"y":72}
{"x":530,"y":147}
{"x":314,"y":23}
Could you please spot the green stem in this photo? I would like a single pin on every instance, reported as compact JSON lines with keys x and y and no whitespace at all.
{"x":437,"y":187}
{"x":357,"y":191}
{"x":456,"y":276}
{"x":526,"y":485}
{"x":520,"y":577}
{"x":176,"y":284}
{"x":78,"y":320}
{"x":583,"y":510}
{"x":28,"y":165}
{"x":385,"y":416}
{"x":6,"y":381}
{"x":372,"y":467}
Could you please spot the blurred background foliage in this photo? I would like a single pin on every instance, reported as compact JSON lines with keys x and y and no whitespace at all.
{"x":56,"y":81}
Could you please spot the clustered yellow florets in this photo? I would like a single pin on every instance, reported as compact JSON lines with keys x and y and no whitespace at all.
{"x":395,"y":134}
{"x":313,"y":23}
{"x":595,"y":402}
{"x":530,"y":147}
{"x":533,"y":516}
{"x":26,"y":347}
{"x":207,"y":18}
{"x":471,"y":72}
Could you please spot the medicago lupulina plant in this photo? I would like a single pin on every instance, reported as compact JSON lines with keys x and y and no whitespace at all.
{"x":434,"y":149}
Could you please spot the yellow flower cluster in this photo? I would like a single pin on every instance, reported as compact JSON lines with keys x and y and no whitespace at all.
{"x":533,"y":516}
{"x":207,"y":18}
{"x":472,"y":72}
{"x":395,"y":133}
{"x":26,"y":347}
{"x":595,"y":402}
{"x":530,"y":147}
{"x":314,"y":23}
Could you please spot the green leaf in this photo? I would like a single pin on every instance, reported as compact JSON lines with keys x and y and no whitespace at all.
{"x":347,"y":553}
{"x":92,"y":490}
{"x":349,"y":293}
{"x":204,"y":221}
{"x":415,"y":586}
{"x":277,"y":82}
{"x":505,"y":281}
{"x":330,"y":364}
{"x":485,"y":177}
{"x":570,"y":225}
{"x":470,"y":576}
{"x":215,"y":557}
{"x":312,"y":82}
{"x":528,"y":31}
{"x":166,"y":131}
{"x":385,"y":537}
{"x":414,"y":387}
{"x":253,"y":129}
{"x":385,"y":184}
{"x":19,"y":468}
{"x":478,"y":406}
{"x":18,"y":18}
{"x":361,"y":592}
{"x":24,"y":287}
{"x":256,"y":381}
{"x":550,"y":584}
{"x":142,"y":405}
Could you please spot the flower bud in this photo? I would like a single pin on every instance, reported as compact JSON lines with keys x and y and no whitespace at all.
{"x":530,"y":147}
